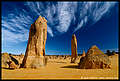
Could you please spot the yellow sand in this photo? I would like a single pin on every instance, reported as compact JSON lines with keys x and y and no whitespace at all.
{"x":60,"y":69}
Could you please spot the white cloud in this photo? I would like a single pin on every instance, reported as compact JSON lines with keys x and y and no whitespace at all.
{"x":64,"y":21}
{"x":8,"y":36}
{"x":63,"y":10}
{"x":79,"y":25}
{"x":85,"y":19}
{"x":13,"y":27}
{"x":5,"y":24}
{"x":33,"y":7}
{"x":94,"y":11}
{"x":49,"y":30}
{"x":65,"y":15}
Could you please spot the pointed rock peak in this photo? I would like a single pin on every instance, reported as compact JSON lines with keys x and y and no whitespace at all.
{"x":41,"y":19}
{"x":94,"y":50}
{"x":94,"y":47}
{"x":83,"y":55}
{"x":44,"y":19}
{"x":40,"y":16}
{"x":73,"y":36}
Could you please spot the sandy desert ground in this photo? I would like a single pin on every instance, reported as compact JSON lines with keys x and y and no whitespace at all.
{"x":61,"y":68}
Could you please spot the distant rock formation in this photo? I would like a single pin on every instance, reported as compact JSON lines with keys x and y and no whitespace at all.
{"x":83,"y":55}
{"x":94,"y":59}
{"x":94,"y":50}
{"x":35,"y":52}
{"x":73,"y":48}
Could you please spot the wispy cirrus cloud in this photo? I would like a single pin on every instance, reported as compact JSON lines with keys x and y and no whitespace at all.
{"x":93,"y":12}
{"x":50,"y":31}
{"x":15,"y":27}
{"x":66,"y":12}
{"x":60,"y":16}
{"x":8,"y":36}
{"x":47,"y":11}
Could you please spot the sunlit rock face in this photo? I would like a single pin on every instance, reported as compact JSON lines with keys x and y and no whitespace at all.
{"x":83,"y":55}
{"x":94,"y":59}
{"x":4,"y":59}
{"x":12,"y":65}
{"x":35,"y":52}
{"x":8,"y":61}
{"x":73,"y":48}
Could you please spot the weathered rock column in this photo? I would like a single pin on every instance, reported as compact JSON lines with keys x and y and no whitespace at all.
{"x":73,"y":48}
{"x":35,"y":52}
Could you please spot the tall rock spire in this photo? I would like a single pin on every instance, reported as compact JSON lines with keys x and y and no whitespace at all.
{"x":73,"y":48}
{"x":35,"y":51}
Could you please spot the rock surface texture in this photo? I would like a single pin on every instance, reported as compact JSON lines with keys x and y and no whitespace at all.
{"x":4,"y":59}
{"x":8,"y":61}
{"x":12,"y":65}
{"x":94,"y":59}
{"x":35,"y":52}
{"x":73,"y":48}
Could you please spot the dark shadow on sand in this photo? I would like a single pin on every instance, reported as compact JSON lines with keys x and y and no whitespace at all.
{"x":8,"y":68}
{"x":57,"y":62}
{"x":60,"y":62}
{"x":71,"y":66}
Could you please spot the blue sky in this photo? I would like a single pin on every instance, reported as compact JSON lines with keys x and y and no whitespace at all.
{"x":93,"y":23}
